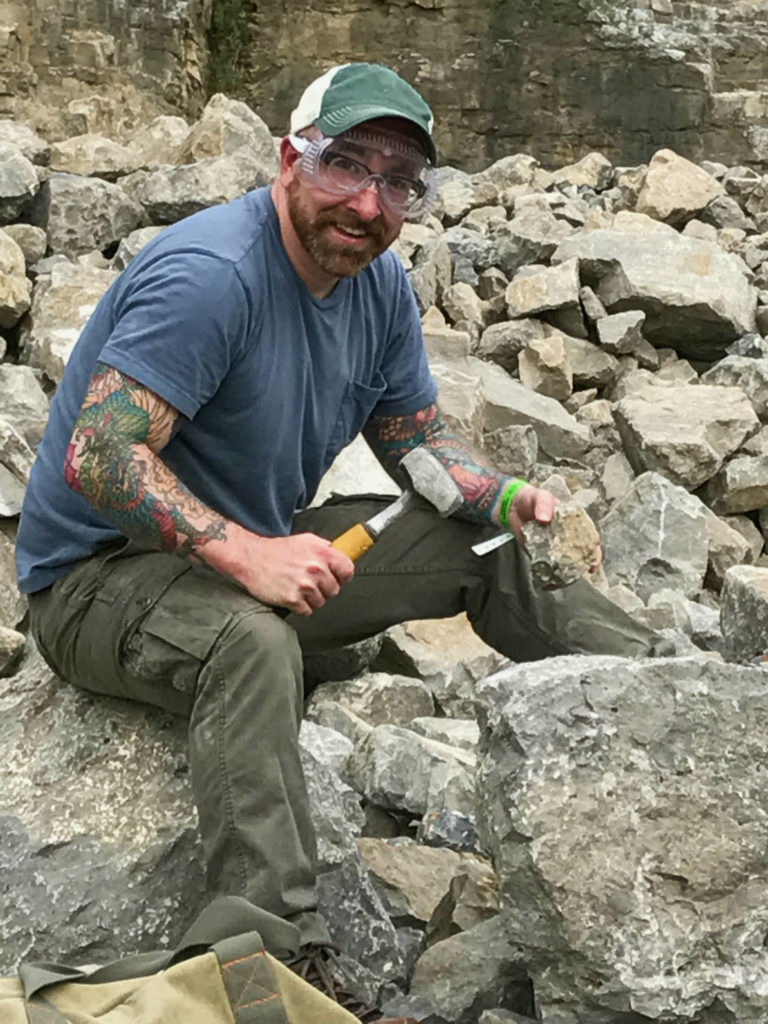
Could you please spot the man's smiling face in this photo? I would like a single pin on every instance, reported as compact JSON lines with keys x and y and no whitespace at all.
{"x":344,"y":233}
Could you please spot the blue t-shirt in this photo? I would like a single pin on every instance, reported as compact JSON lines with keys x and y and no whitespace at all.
{"x":272,"y":383}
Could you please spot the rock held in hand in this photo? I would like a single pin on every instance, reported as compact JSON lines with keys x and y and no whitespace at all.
{"x":564,"y":550}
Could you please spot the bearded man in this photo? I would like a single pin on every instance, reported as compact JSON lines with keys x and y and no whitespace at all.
{"x":166,"y":542}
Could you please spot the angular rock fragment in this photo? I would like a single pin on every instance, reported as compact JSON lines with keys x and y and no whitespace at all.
{"x":727,"y":547}
{"x":60,"y":308}
{"x":227,"y":127}
{"x":554,"y":288}
{"x":377,"y":698}
{"x":32,"y":241}
{"x":460,"y":977}
{"x":20,"y":135}
{"x":656,"y":537}
{"x":675,"y":189}
{"x":18,"y":182}
{"x":502,"y":343}
{"x":564,"y":550}
{"x":509,"y":402}
{"x":15,"y":291}
{"x":744,"y":611}
{"x":93,"y":155}
{"x":82,"y":214}
{"x":411,"y":880}
{"x":740,"y":486}
{"x":747,"y":373}
{"x":684,"y":432}
{"x":695,"y":296}
{"x":159,"y":141}
{"x":447,"y":655}
{"x":398,"y":770}
{"x":544,"y":367}
{"x":513,"y":449}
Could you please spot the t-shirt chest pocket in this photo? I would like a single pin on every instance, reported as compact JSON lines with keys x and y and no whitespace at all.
{"x":357,"y":403}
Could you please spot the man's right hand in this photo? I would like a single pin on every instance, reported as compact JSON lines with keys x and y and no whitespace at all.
{"x":300,"y":572}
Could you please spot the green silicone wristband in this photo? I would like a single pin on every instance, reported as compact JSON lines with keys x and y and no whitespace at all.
{"x":507,"y":497}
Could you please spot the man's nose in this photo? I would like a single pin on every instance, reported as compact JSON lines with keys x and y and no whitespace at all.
{"x":366,"y":203}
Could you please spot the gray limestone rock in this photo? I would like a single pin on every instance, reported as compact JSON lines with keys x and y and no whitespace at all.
{"x":724,"y":212}
{"x":502,"y":343}
{"x":99,"y":844}
{"x":607,"y":797}
{"x":744,"y":611}
{"x":228,"y":127}
{"x":12,"y":644}
{"x":675,"y":189}
{"x":727,"y":547}
{"x":170,"y":193}
{"x":24,"y":406}
{"x":544,"y":367}
{"x":11,"y":493}
{"x":745,"y":372}
{"x":359,"y":925}
{"x":159,"y":141}
{"x":80,"y":214}
{"x":95,"y":156}
{"x":456,"y":732}
{"x":18,"y":182}
{"x":656,"y":537}
{"x":554,"y":288}
{"x":564,"y":550}
{"x":327,"y":745}
{"x":740,"y":486}
{"x":590,"y":365}
{"x":15,"y":291}
{"x":411,"y":879}
{"x":378,"y":698}
{"x":335,"y":808}
{"x":132,"y":244}
{"x":32,"y":241}
{"x":508,"y":402}
{"x":685,"y":432}
{"x":20,"y":135}
{"x":530,"y":237}
{"x":694,"y":295}
{"x":398,"y":770}
{"x":60,"y":309}
{"x":447,"y":655}
{"x":512,"y":449}
{"x":460,"y":977}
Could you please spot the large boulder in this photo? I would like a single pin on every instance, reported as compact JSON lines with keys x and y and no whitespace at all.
{"x":624,"y":806}
{"x":696,"y":298}
{"x":81,"y":214}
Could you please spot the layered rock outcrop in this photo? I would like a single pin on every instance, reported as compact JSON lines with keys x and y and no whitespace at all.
{"x":556,"y":79}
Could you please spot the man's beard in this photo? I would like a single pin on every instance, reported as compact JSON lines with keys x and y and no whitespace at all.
{"x":331,"y":255}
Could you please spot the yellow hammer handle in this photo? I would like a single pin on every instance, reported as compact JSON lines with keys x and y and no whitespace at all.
{"x":354,"y":542}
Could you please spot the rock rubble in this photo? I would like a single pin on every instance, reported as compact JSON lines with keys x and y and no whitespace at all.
{"x":580,"y":835}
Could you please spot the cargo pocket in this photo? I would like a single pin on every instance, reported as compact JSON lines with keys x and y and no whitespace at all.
{"x":170,"y":643}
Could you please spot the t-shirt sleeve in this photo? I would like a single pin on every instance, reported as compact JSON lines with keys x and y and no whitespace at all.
{"x":410,"y":385}
{"x":179,"y":326}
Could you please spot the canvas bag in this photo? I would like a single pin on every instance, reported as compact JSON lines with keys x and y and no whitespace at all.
{"x":220,"y":973}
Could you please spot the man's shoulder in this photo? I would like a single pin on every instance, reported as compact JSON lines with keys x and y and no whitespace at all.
{"x":228,"y":232}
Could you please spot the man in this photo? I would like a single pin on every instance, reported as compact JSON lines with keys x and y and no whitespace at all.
{"x":165,"y":542}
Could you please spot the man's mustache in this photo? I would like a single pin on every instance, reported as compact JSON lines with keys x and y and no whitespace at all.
{"x":375,"y":228}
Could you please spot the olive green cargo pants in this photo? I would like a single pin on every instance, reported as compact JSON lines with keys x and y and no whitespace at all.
{"x":152,"y":627}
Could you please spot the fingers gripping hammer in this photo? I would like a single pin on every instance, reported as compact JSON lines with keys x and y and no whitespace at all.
{"x":427,"y":477}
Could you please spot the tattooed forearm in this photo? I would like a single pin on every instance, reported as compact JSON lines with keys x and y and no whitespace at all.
{"x":111,"y":460}
{"x":390,"y":437}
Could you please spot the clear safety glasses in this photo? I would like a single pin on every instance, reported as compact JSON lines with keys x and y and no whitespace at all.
{"x":405,"y":182}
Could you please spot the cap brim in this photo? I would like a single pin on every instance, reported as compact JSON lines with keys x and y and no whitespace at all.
{"x":342,"y":121}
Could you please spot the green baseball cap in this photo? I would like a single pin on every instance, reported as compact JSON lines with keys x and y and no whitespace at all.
{"x":352,"y":93}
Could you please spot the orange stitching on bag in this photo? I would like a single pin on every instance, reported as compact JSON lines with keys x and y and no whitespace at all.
{"x":243,"y":958}
{"x":255,"y":1002}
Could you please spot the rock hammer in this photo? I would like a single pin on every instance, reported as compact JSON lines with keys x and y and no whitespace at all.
{"x":427,"y":477}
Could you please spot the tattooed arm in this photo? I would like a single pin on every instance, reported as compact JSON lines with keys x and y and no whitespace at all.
{"x":481,"y":485}
{"x":112,"y":460}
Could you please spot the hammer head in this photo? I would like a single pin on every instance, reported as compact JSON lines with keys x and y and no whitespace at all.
{"x":430,"y":479}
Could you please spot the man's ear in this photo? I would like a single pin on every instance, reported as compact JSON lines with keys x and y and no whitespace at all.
{"x":288,"y":158}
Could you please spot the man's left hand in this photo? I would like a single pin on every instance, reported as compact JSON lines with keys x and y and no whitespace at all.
{"x":534,"y":503}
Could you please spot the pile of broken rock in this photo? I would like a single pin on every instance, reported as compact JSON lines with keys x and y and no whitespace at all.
{"x":578,"y":839}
